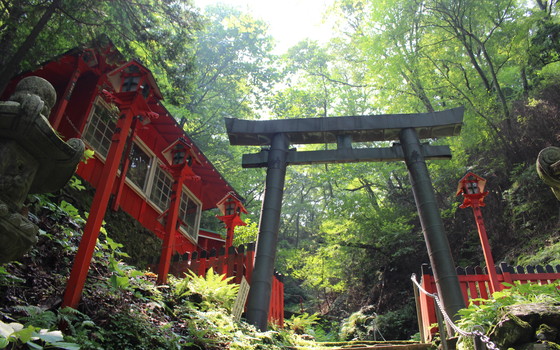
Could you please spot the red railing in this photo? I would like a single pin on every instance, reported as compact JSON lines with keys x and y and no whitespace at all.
{"x":237,"y":263}
{"x":475,"y":284}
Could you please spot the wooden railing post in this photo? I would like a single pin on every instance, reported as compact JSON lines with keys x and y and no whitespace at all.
{"x":419,"y":317}
{"x":202,"y":263}
{"x":427,"y":303}
{"x":506,"y":272}
{"x":230,"y":262}
{"x":238,"y":264}
{"x":249,"y":261}
{"x":211,"y":262}
{"x":282,"y":302}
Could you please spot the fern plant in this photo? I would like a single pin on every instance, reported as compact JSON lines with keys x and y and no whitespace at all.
{"x":303,"y":323}
{"x":214,"y":290}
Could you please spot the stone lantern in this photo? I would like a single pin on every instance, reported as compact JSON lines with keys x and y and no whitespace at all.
{"x":33,"y":159}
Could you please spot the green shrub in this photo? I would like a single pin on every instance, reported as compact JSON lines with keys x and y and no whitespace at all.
{"x":361,"y":325}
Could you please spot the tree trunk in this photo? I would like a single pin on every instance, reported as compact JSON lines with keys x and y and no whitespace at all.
{"x":12,"y":65}
{"x":419,"y":91}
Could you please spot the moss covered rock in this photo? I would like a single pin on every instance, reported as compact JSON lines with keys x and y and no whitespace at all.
{"x":524,"y":324}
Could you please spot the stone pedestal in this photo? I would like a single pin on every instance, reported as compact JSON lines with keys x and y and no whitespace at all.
{"x":33,"y":159}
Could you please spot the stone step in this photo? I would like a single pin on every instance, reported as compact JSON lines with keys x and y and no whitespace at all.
{"x":363,"y":345}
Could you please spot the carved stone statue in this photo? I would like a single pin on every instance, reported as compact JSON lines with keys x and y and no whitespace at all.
{"x":548,"y":168}
{"x":33,"y":159}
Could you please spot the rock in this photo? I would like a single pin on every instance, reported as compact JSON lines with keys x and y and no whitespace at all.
{"x":527,"y":323}
{"x":511,"y":330}
{"x":546,"y":332}
{"x":538,"y":346}
{"x":537,"y":313}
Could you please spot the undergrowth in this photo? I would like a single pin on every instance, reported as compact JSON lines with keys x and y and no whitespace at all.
{"x":484,"y":314}
{"x":121,"y":306}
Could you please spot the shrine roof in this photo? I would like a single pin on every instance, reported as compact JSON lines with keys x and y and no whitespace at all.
{"x":101,"y":58}
{"x":217,"y":186}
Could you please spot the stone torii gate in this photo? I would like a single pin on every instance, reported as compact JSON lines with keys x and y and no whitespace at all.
{"x":407,"y":128}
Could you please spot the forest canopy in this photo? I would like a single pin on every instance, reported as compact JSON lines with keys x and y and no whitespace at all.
{"x":349,"y":234}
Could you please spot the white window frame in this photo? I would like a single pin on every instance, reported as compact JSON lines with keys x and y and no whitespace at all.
{"x":99,"y":102}
{"x":155,"y":165}
{"x":196,"y":226}
{"x":152,"y":182}
{"x":150,"y":174}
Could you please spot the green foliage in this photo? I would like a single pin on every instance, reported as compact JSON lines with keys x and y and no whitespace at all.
{"x":157,"y":32}
{"x":132,"y":329}
{"x":194,"y":312}
{"x":302,"y":324}
{"x":548,"y":254}
{"x":7,"y":279}
{"x":121,"y":273}
{"x":79,"y":327}
{"x":360,"y":325}
{"x":486,"y":313}
{"x":349,"y":234}
{"x":34,"y":337}
{"x":214,"y":290}
{"x":246,"y":234}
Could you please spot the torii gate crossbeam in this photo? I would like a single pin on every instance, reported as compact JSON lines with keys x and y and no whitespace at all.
{"x":407,"y":128}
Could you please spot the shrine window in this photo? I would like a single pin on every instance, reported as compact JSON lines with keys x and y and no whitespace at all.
{"x":160,"y":193}
{"x":100,"y":128}
{"x":140,"y":165}
{"x":189,"y":214}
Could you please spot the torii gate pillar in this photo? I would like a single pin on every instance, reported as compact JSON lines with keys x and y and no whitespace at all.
{"x":261,"y":281}
{"x":408,"y":128}
{"x":432,"y":225}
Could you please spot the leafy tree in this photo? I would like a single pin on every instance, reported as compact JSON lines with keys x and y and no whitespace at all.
{"x":233,"y":69}
{"x":33,"y":31}
{"x":352,"y":229}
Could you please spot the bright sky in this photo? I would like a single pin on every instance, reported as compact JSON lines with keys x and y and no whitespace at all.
{"x":290,"y":21}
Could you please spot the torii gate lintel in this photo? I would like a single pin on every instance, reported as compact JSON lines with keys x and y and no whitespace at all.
{"x":346,"y":155}
{"x":407,"y":128}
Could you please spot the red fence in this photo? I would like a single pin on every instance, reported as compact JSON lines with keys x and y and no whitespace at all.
{"x":474,"y":284}
{"x":238,"y":262}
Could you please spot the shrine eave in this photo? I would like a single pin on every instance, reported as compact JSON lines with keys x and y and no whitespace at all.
{"x":359,"y":128}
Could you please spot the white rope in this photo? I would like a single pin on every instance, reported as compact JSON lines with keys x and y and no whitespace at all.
{"x":491,"y":345}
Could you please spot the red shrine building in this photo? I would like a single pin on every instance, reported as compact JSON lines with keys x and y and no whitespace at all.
{"x":144,"y":162}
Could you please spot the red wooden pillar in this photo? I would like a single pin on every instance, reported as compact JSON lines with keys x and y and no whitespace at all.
{"x":57,"y":118}
{"x":170,"y":229}
{"x":249,"y":262}
{"x":229,"y":235}
{"x":427,"y":304}
{"x":180,"y":157}
{"x":471,"y":186}
{"x":126,"y":165}
{"x":129,"y":83}
{"x":99,"y":205}
{"x":281,"y":303}
{"x":487,"y":252}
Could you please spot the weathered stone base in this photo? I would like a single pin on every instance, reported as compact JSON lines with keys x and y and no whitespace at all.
{"x":529,"y":326}
{"x":17,"y":234}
